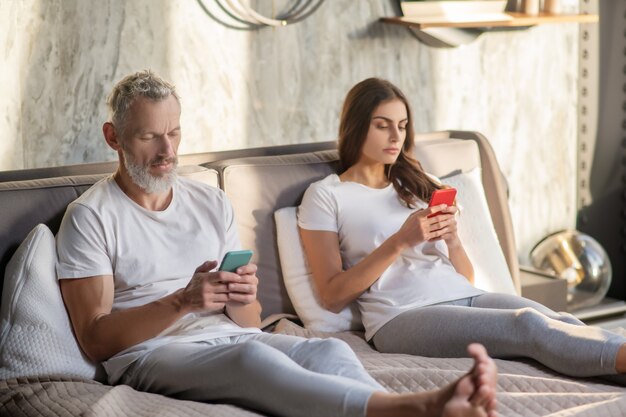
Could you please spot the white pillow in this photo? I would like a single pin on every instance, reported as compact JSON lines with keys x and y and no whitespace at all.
{"x":478,"y":235}
{"x":35,"y":333}
{"x":299,"y":281}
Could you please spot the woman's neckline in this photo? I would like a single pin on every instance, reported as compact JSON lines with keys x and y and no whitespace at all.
{"x":389,"y":184}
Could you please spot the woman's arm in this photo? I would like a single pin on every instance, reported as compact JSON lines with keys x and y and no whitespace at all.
{"x":338,"y":288}
{"x":461,"y":262}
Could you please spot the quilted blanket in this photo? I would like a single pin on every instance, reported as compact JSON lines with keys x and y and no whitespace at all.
{"x":525,"y":388}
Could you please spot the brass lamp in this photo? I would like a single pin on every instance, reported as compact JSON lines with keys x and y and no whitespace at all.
{"x":578,"y":259}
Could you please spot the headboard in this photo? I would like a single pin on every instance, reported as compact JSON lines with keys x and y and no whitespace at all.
{"x":257,"y":186}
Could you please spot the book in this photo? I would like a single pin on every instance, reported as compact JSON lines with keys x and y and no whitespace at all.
{"x":426,"y":11}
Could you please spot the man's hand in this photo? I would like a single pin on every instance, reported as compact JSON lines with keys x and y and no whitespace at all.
{"x":243,"y":289}
{"x":206,"y":291}
{"x":212,"y":291}
{"x":242,"y":307}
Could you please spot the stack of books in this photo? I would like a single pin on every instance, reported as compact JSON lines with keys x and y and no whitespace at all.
{"x":429,"y":11}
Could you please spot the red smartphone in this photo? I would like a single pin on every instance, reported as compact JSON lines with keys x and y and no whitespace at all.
{"x":445,"y":196}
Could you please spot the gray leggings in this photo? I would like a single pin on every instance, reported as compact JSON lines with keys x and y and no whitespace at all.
{"x":276,"y":374}
{"x":508,"y":326}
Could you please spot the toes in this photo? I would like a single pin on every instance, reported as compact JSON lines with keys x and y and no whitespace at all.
{"x":477,"y":351}
{"x":465,"y":387}
{"x":486,"y":373}
{"x":482,"y":397}
{"x":492,"y":407}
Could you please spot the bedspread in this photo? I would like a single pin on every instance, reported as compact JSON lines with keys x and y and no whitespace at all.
{"x":525,"y":388}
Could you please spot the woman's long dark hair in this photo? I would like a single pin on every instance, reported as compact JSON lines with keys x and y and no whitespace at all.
{"x":406,"y":174}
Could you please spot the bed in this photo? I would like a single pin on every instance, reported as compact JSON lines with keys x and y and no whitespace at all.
{"x":43,"y":376}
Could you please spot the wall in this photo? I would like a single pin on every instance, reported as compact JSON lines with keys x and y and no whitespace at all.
{"x":286,"y":85}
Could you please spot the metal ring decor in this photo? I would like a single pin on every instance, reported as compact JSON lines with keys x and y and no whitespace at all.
{"x":242,"y":12}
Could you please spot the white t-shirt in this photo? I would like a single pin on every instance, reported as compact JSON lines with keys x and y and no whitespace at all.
{"x":364,"y":218}
{"x":150,"y":254}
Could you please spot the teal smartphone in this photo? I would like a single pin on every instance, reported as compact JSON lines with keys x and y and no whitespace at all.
{"x":234,"y":259}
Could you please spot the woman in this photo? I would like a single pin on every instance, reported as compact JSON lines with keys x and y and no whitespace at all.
{"x":368,"y":237}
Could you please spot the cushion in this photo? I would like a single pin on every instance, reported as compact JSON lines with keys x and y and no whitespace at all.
{"x":35,"y":333}
{"x":478,"y":234}
{"x":299,"y":281}
{"x":257,"y":187}
{"x":201,"y":174}
{"x":475,"y":229}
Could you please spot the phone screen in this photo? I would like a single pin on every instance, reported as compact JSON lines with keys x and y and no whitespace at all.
{"x":234,"y":259}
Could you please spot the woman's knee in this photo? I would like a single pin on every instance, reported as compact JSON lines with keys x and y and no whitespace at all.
{"x":530,"y":320}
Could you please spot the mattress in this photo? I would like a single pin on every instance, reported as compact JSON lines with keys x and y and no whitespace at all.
{"x":525,"y":388}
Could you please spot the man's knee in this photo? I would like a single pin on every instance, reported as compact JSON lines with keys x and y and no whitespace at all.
{"x":330,"y":347}
{"x":253,"y":354}
{"x":337,"y":346}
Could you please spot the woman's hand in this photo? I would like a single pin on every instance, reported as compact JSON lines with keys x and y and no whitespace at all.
{"x":446,"y":226}
{"x":420,"y":227}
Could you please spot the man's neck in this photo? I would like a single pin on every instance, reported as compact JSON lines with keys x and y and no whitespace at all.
{"x":149,"y":201}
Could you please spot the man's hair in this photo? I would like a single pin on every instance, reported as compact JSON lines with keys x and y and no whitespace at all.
{"x":140,"y":84}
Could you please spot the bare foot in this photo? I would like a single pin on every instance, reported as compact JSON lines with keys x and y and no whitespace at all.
{"x":474,"y":395}
{"x":484,"y":378}
{"x":620,"y":361}
{"x":459,"y":405}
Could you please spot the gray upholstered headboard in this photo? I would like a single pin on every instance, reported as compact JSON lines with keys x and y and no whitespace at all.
{"x":257,"y":186}
{"x":32,"y":196}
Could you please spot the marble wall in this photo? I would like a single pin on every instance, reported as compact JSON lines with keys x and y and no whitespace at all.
{"x":285,"y":85}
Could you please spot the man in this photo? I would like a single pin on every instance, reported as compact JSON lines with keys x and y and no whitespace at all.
{"x":127,"y":252}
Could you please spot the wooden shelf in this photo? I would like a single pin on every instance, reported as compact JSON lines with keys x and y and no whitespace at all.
{"x":518,"y":20}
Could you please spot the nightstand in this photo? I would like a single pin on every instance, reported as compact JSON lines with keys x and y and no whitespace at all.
{"x":609,"y":313}
{"x":543,"y":288}
{"x":552,"y":292}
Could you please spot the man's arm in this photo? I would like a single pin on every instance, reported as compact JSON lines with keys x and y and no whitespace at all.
{"x":245,"y":315}
{"x":102,"y":333}
{"x":242,"y":307}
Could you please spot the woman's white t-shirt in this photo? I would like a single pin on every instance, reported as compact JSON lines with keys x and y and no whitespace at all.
{"x":364,"y":218}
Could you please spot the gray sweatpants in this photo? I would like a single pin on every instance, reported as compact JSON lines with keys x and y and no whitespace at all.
{"x":509,"y":326}
{"x":276,"y":374}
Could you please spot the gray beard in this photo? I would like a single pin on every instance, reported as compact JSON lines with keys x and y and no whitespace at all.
{"x":140,"y":175}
